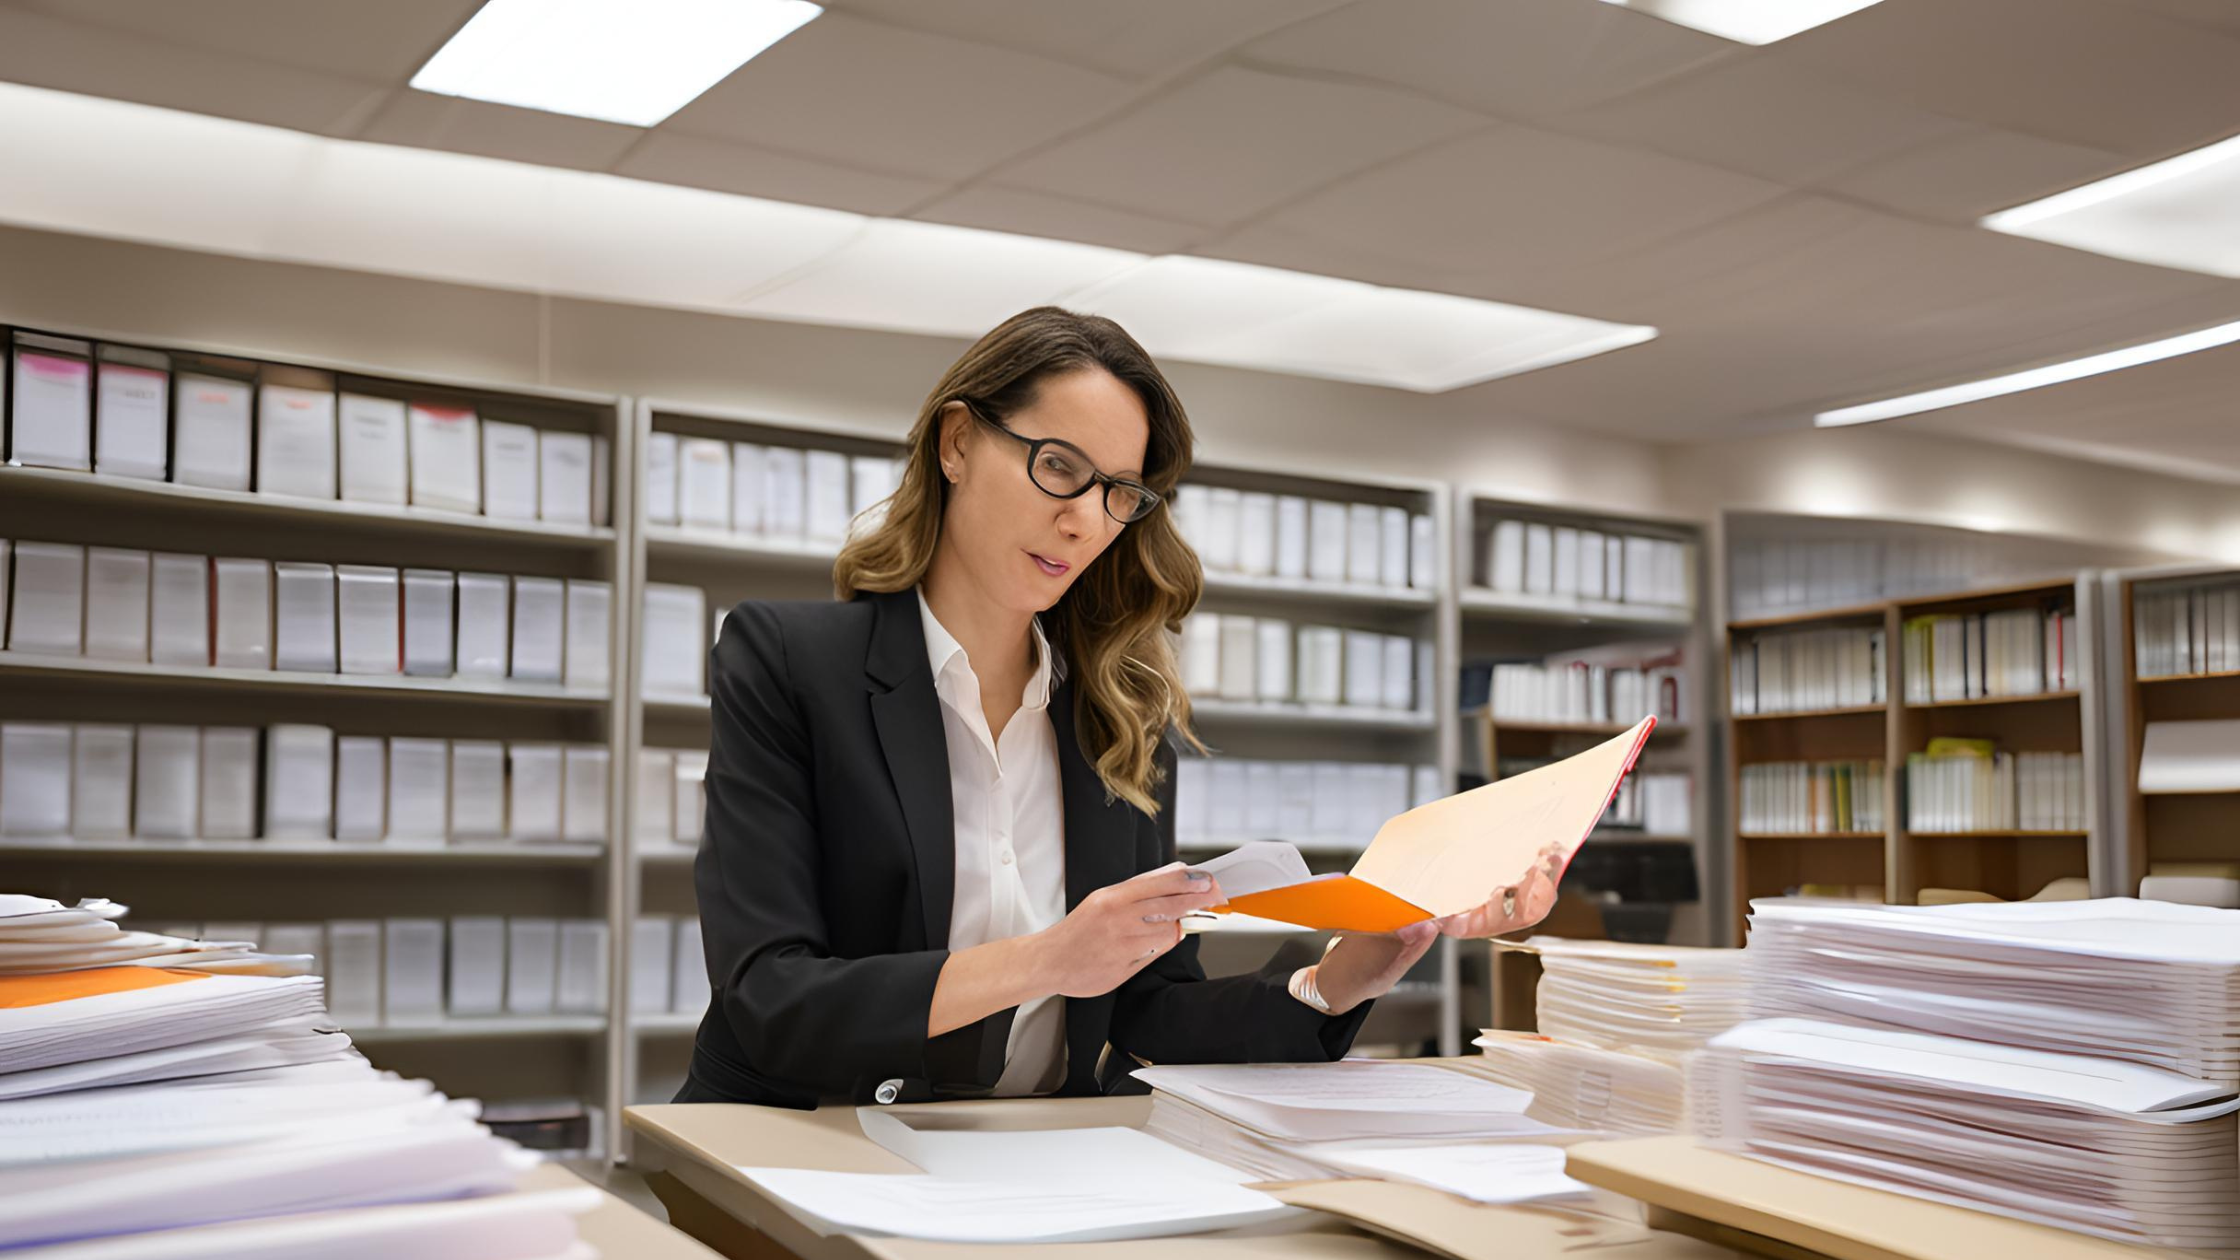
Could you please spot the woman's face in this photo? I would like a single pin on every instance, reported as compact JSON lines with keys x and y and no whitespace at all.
{"x":1022,"y":547}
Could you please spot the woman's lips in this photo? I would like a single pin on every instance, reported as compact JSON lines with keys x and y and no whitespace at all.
{"x":1055,"y":568}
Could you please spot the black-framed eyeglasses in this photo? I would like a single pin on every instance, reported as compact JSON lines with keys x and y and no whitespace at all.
{"x":1062,"y":470}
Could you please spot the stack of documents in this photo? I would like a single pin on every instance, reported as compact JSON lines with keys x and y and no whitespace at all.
{"x":1659,"y":1001}
{"x":2137,"y":981}
{"x":39,"y":935}
{"x":1588,"y":1088}
{"x":2119,"y":1150}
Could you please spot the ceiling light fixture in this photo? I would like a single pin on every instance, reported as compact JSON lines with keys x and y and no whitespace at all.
{"x":2174,"y":213}
{"x":2032,"y":378}
{"x":636,"y":62}
{"x":1747,"y":21}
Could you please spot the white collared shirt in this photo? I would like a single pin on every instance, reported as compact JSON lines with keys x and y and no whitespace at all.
{"x":1010,"y":837}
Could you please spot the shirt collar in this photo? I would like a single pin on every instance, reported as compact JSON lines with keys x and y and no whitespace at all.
{"x":944,"y":652}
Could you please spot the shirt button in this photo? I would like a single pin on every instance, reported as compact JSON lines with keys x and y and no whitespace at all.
{"x":1007,"y":857}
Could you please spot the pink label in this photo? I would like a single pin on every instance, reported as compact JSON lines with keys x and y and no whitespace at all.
{"x":53,"y":369}
{"x":445,"y":415}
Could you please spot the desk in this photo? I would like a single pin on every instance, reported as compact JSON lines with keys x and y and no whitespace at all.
{"x":1780,"y":1211}
{"x":616,"y":1228}
{"x":690,"y":1153}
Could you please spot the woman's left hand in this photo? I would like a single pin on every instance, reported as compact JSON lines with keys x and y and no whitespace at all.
{"x":1361,"y":967}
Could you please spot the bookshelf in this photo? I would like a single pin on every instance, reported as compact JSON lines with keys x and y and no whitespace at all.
{"x":2148,"y":829}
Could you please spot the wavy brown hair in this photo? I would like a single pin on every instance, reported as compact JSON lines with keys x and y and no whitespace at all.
{"x":1114,"y":624}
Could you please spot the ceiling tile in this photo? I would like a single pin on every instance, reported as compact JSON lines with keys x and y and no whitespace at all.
{"x":743,"y":168}
{"x":861,"y":93}
{"x":387,"y":41}
{"x":1965,"y":176}
{"x":1141,"y":37}
{"x":1234,"y":143}
{"x":2084,"y":72}
{"x":1518,"y":59}
{"x":1755,"y":115}
{"x":1039,"y":214}
{"x":428,"y":121}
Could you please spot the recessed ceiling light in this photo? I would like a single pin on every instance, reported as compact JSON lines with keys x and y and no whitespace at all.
{"x":1747,"y":21}
{"x":2174,"y":213}
{"x":634,"y":62}
{"x":2033,"y":378}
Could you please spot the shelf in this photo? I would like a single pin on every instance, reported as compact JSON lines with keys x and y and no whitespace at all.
{"x":1808,"y":835}
{"x":93,"y":490}
{"x":1981,"y":701}
{"x":1642,"y":837}
{"x":328,"y":852}
{"x":1243,"y":712}
{"x":498,"y":689}
{"x":1777,"y":621}
{"x":713,"y":544}
{"x":2201,"y":677}
{"x":488,"y":1028}
{"x":1478,"y":602}
{"x":1359,"y":593}
{"x":664,"y":1024}
{"x":1673,"y":729}
{"x":1998,"y":834}
{"x":672,"y":703}
{"x":665,"y":853}
{"x":1848,"y":711}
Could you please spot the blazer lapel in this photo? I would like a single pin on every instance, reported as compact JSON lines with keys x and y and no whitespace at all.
{"x":1100,"y":834}
{"x":907,"y":713}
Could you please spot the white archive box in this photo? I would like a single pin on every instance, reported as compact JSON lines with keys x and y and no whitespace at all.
{"x":53,"y":416}
{"x":1593,"y":564}
{"x":229,"y":782}
{"x":750,"y":486}
{"x":1392,"y":546}
{"x":1240,"y":676}
{"x":478,"y":789}
{"x":478,"y":965}
{"x":298,"y":782}
{"x":532,"y":965}
{"x":419,"y":789}
{"x":652,"y":938}
{"x":1321,"y":665}
{"x":1332,"y":800}
{"x":1291,"y":537}
{"x":539,"y":629}
{"x":587,"y":651}
{"x":826,"y":501}
{"x":873,"y":479}
{"x":602,"y":481}
{"x":242,"y":622}
{"x":1539,"y":559}
{"x":691,"y":795}
{"x":354,"y":972}
{"x":1423,"y":553}
{"x":785,"y":503}
{"x":446,"y":457}
{"x":1364,"y":542}
{"x":661,"y":479}
{"x":1193,"y":786}
{"x":656,"y":797}
{"x":1273,"y":660}
{"x":1191,"y":504}
{"x":581,"y":988}
{"x":117,"y":604}
{"x":132,"y":414}
{"x":1398,"y":673}
{"x":166,"y":782}
{"x":428,"y":630}
{"x":1295,"y":788}
{"x":1263,"y":808}
{"x":210,"y":432}
{"x":509,"y":471}
{"x":564,"y":477}
{"x":1231,"y":783}
{"x":1200,"y":649}
{"x":367,"y":602}
{"x":537,"y":790}
{"x":1222,"y":532}
{"x":1328,"y":541}
{"x":1564,"y":575}
{"x":583,"y":808}
{"x":34,"y":779}
{"x":704,"y":483}
{"x":485,"y":602}
{"x":372,"y":449}
{"x":178,"y":609}
{"x":100,"y":782}
{"x":676,"y":649}
{"x":46,"y":612}
{"x":361,"y":787}
{"x":303,"y":636}
{"x":1364,"y":685}
{"x":688,"y":986}
{"x":412,"y":971}
{"x":295,"y":434}
{"x":1256,"y":533}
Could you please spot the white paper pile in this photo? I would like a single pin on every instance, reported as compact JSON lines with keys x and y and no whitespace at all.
{"x":2118,"y":1150}
{"x":2138,"y":981}
{"x":1661,"y":1001}
{"x":1586,"y":1087}
{"x":39,"y":935}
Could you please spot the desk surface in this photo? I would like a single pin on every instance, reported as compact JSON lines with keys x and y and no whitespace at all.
{"x":1833,"y":1218}
{"x":701,"y":1145}
{"x":616,"y":1228}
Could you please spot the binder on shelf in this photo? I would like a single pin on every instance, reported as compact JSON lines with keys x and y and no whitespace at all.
{"x":303,"y":605}
{"x":539,"y":625}
{"x":588,"y":651}
{"x":478,"y":789}
{"x":1224,"y":529}
{"x":1226,"y":812}
{"x":478,"y":965}
{"x":2197,"y":756}
{"x":656,"y":796}
{"x":785,"y":503}
{"x":537,"y":788}
{"x":46,"y":612}
{"x":826,"y":501}
{"x":661,"y":479}
{"x":1273,"y":661}
{"x":1364,"y":543}
{"x":100,"y":783}
{"x":367,"y":604}
{"x":750,"y":486}
{"x":1201,"y":654}
{"x":583,"y":812}
{"x":689,"y":988}
{"x":166,"y":782}
{"x":295,"y":433}
{"x":602,"y":481}
{"x":428,"y":642}
{"x":1256,"y":533}
{"x":1321,"y":665}
{"x":241,"y":637}
{"x":132,"y":429}
{"x":704,"y":483}
{"x":373,"y":449}
{"x":564,"y":477}
{"x":228,"y":790}
{"x":210,"y":437}
{"x":509,"y":471}
{"x":1423,"y":553}
{"x":353,"y":972}
{"x":651,"y":941}
{"x":412,"y":971}
{"x":1392,"y":546}
{"x":485,"y":603}
{"x":532,"y":965}
{"x":1398,"y":672}
{"x":298,"y":782}
{"x":1563,"y":577}
{"x":675,"y":647}
{"x":691,"y":803}
{"x":419,"y":789}
{"x":1539,"y":560}
{"x":581,"y":984}
{"x":34,"y":779}
{"x":1364,"y":669}
{"x":361,"y":787}
{"x":1291,"y":537}
{"x":445,"y":457}
{"x":306,"y":940}
{"x":1263,"y":813}
{"x":1239,"y":671}
{"x":1593,"y":569}
{"x":1328,"y":541}
{"x":1506,"y":570}
{"x":873,"y":480}
{"x":116,"y":604}
{"x":53,"y":411}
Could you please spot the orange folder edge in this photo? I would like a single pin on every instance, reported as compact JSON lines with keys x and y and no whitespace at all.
{"x":66,"y":986}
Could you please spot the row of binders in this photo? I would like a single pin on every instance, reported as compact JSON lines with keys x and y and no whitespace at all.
{"x":124,"y":412}
{"x":1223,"y":802}
{"x":164,"y":608}
{"x":1975,"y":656}
{"x":1800,"y":671}
{"x":671,"y":800}
{"x":765,"y":491}
{"x":1568,"y":689}
{"x":1566,"y":563}
{"x":1658,"y":802}
{"x":1968,"y":785}
{"x":169,"y":1098}
{"x":1307,"y":540}
{"x":151,"y":782}
{"x":1812,"y":797}
{"x":1789,"y":574}
{"x":1271,"y":661}
{"x":2191,"y":629}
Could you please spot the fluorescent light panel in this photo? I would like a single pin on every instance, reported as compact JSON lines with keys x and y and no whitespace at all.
{"x":2033,"y":378}
{"x":1747,"y":21}
{"x":623,"y":61}
{"x":2178,"y":212}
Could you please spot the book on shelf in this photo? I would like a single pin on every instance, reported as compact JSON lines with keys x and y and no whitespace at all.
{"x":1817,"y":798}
{"x":1570,"y":564}
{"x":1957,"y":785}
{"x":1792,"y":671}
{"x":1974,"y":656}
{"x":2193,"y":629}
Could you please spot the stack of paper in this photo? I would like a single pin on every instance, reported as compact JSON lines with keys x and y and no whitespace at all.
{"x":2119,"y":1150}
{"x":1585,"y":1087}
{"x":2139,"y":981}
{"x":39,"y":935}
{"x":1661,"y":1001}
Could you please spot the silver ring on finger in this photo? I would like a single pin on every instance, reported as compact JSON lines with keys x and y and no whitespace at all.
{"x":1508,"y":903}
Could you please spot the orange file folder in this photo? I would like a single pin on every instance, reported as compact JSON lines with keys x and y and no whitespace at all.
{"x":1441,"y":858}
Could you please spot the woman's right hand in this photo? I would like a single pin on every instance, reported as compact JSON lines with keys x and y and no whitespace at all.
{"x":1120,"y":928}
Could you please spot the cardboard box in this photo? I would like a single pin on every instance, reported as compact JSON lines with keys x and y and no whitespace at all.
{"x":303,"y":602}
{"x":211,"y":432}
{"x":132,"y":419}
{"x":179,"y":609}
{"x":47,"y":605}
{"x":229,"y":782}
{"x":509,"y":471}
{"x":446,"y":457}
{"x":117,"y":604}
{"x":295,"y":434}
{"x":166,"y":782}
{"x":243,"y":619}
{"x":367,"y":604}
{"x":100,"y":782}
{"x":373,"y":449}
{"x":298,"y":782}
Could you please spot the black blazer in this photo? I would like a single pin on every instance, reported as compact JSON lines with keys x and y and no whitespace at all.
{"x":826,"y":871}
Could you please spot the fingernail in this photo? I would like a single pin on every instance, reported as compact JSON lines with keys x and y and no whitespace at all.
{"x":1199,"y":876}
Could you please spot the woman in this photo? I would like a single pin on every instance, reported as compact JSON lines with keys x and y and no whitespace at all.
{"x":939,"y":846}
